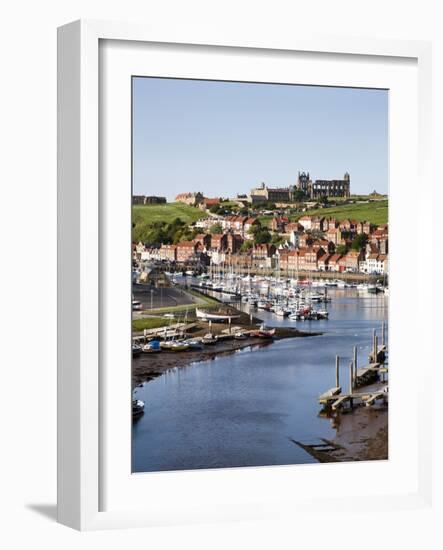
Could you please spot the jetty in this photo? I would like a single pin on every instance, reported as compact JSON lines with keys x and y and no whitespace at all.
{"x":334,"y":399}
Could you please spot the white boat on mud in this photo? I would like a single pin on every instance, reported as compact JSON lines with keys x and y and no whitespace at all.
{"x":217,"y":315}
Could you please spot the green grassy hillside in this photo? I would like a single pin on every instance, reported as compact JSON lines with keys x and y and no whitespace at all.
{"x":143,"y":216}
{"x":375,"y":212}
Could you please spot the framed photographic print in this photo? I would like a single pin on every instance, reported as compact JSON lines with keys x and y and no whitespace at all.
{"x":235,"y":340}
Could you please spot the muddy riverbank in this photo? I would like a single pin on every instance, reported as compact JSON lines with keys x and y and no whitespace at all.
{"x":360,"y":435}
{"x":146,"y":367}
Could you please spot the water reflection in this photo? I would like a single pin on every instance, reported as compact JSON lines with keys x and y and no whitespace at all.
{"x":244,"y":409}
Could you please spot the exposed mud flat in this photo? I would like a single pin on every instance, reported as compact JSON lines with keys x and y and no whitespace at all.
{"x":146,"y":367}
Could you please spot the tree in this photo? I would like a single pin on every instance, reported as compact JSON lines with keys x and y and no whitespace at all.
{"x":216,"y":229}
{"x":262,"y":236}
{"x":341,"y":249}
{"x":247,"y":245}
{"x":299,"y":195}
{"x":359,"y":242}
{"x":277,"y":239}
{"x":215,"y":209}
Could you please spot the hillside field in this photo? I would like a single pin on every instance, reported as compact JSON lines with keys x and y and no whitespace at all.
{"x":375,"y":212}
{"x":144,"y":216}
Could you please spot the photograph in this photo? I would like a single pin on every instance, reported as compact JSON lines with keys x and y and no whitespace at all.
{"x":260,"y":274}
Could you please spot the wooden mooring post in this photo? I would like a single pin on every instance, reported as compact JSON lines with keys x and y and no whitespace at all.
{"x":351,"y":382}
{"x":383,"y":333}
{"x":374,"y":345}
{"x":337,"y":371}
{"x":355,"y":363}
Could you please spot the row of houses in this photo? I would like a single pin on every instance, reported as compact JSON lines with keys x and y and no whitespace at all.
{"x":234,"y":223}
{"x":323,"y":224}
{"x":225,"y":248}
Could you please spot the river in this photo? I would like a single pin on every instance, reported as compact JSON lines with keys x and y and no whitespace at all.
{"x":244,"y":409}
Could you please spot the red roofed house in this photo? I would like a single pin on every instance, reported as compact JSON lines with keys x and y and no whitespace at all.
{"x":207,"y":203}
{"x":219,"y":242}
{"x":318,"y":223}
{"x":263,"y":251}
{"x":234,"y":242}
{"x":333,"y":262}
{"x":279,"y":224}
{"x":305,"y":240}
{"x":323,"y":262}
{"x":204,"y":239}
{"x":353,"y":259}
{"x":306,"y":222}
{"x":308,"y":259}
{"x":187,"y":250}
{"x":380,"y":239}
{"x":334,"y":235}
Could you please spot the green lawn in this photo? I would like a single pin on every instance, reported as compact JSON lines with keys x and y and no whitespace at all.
{"x":144,"y":216}
{"x":150,"y":322}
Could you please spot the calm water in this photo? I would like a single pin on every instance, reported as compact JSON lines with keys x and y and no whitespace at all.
{"x":244,"y":409}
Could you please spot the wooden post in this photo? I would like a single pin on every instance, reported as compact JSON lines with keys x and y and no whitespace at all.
{"x":355,"y":361}
{"x":250,"y":318}
{"x":351,"y":382}
{"x":383,"y":333}
{"x":229,"y":325}
{"x":210,"y":326}
{"x":337,"y":371}
{"x":374,"y":349}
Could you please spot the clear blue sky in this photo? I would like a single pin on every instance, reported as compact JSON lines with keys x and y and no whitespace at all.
{"x":223,"y":138}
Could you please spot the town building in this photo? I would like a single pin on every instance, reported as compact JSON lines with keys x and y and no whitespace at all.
{"x":188,"y":250}
{"x":208,"y":203}
{"x":353,"y":258}
{"x":278,"y":224}
{"x":269,"y":194}
{"x":234,"y":242}
{"x":168,"y":252}
{"x":204,"y":239}
{"x":192,"y":199}
{"x":380,"y":239}
{"x":375,"y":264}
{"x":219,"y":242}
{"x":334,"y":235}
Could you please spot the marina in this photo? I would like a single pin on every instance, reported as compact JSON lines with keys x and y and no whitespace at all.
{"x":251,"y":400}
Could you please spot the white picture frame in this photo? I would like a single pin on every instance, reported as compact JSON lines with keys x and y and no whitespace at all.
{"x":83,"y":213}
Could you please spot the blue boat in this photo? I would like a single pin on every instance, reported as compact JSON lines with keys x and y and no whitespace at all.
{"x":152,"y":347}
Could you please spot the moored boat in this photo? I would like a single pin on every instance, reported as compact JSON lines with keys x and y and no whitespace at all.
{"x":194,"y":344}
{"x":138,"y":408}
{"x":209,"y":339}
{"x":152,"y":347}
{"x":179,"y":346}
{"x":263,"y":332}
{"x":136,"y":350}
